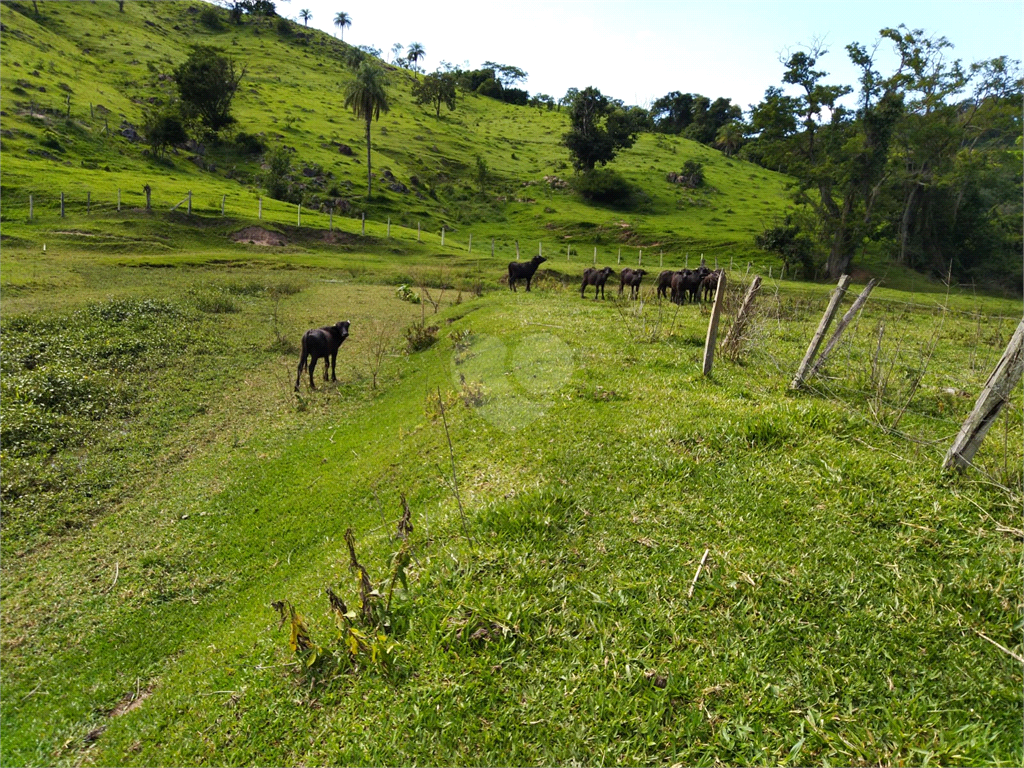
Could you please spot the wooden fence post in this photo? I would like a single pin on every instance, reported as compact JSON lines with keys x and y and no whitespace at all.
{"x":190,"y":202}
{"x":716,"y":310}
{"x":732,"y":338}
{"x":417,"y":231}
{"x":442,"y":237}
{"x":118,"y":199}
{"x":259,"y":212}
{"x":640,"y":258}
{"x":62,"y":205}
{"x":469,"y":248}
{"x":619,"y":260}
{"x":540,"y":251}
{"x":847,"y":318}
{"x":389,"y":230}
{"x":492,"y":247}
{"x":991,"y":400}
{"x":88,"y":203}
{"x":298,"y":214}
{"x":661,"y":259}
{"x":223,"y":199}
{"x":364,"y":225}
{"x":568,"y":252}
{"x":595,"y":255}
{"x":330,"y":220}
{"x":30,"y":207}
{"x":687,"y":264}
{"x":826,"y":321}
{"x":149,"y":192}
{"x":517,"y":250}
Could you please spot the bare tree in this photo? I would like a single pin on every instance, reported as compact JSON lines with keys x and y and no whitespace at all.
{"x":382,"y":335}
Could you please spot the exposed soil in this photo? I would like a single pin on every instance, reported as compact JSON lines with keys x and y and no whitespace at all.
{"x":258,"y":236}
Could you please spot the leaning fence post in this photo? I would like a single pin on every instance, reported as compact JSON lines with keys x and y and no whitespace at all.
{"x":850,"y":314}
{"x":716,"y":310}
{"x":991,"y":400}
{"x":826,"y":321}
{"x":62,"y":205}
{"x":732,"y":338}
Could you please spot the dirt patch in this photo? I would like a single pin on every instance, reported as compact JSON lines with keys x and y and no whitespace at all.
{"x":339,"y":238}
{"x":258,"y":236}
{"x":132,"y":701}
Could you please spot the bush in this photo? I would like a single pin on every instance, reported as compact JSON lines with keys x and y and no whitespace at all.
{"x":420,"y":336}
{"x":249,"y":144}
{"x":284,"y":27}
{"x":209,"y":17}
{"x":490,"y":88}
{"x":789,"y":241}
{"x":605,"y":187}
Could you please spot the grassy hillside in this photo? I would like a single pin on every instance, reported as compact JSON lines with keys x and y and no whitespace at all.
{"x":114,"y":65}
{"x":839,"y":618}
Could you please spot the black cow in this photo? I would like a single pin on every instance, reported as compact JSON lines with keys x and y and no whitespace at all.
{"x":321,"y":342}
{"x":596,"y":278}
{"x":692,"y":282}
{"x":664,"y":283}
{"x":679,"y":285}
{"x":632,"y":278}
{"x":519,"y":270}
{"x":710,"y":284}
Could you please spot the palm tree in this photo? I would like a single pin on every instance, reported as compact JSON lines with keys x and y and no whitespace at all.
{"x":342,"y":20}
{"x":367,"y":95}
{"x":305,"y":15}
{"x":415,"y":53}
{"x":729,"y":138}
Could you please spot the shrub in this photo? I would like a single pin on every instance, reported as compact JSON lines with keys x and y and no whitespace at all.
{"x":490,"y":88}
{"x":605,"y":187}
{"x":420,"y":336}
{"x":284,"y":27}
{"x":249,"y":144}
{"x":209,"y":17}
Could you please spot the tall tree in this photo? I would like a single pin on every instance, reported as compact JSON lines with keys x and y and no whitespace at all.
{"x":342,"y":20}
{"x":729,"y":138}
{"x":305,"y":15}
{"x":367,"y":96}
{"x":396,"y":51}
{"x":414,"y":53}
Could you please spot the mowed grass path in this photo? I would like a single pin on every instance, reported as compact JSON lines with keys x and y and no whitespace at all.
{"x":837,"y":618}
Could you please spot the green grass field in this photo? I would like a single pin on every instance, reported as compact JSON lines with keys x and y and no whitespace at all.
{"x":839,"y":617}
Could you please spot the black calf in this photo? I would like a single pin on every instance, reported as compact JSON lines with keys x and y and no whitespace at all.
{"x":596,"y":278}
{"x":632,"y":278}
{"x":321,"y":342}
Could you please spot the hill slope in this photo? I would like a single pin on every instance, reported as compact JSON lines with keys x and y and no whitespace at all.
{"x":113,"y":66}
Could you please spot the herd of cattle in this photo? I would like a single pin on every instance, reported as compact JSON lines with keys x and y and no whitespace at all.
{"x":323,"y":343}
{"x":678,"y":285}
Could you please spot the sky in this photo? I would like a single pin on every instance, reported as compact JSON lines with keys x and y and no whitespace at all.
{"x":638,"y":51}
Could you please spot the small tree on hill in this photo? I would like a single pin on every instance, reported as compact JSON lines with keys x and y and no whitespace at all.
{"x":164,"y":129}
{"x":207,"y":82}
{"x":599,"y":129}
{"x":436,"y":89}
{"x":305,"y":15}
{"x":367,"y":96}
